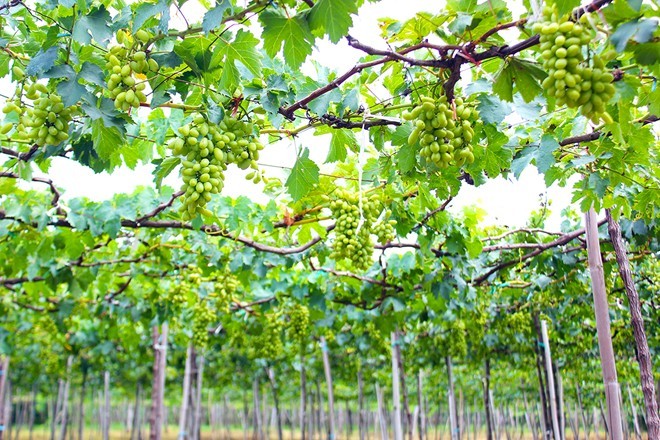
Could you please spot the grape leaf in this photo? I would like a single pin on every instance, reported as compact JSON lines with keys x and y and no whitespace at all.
{"x":406,"y":158}
{"x":503,"y":84}
{"x":340,"y":140}
{"x":304,"y":175}
{"x":243,"y":50}
{"x":492,"y":110}
{"x":544,"y":157}
{"x":106,"y":139}
{"x":70,"y":91}
{"x":292,"y":33}
{"x":42,"y":61}
{"x":164,"y":168}
{"x":147,"y":10}
{"x":566,"y":6}
{"x":641,"y":31}
{"x":334,"y":16}
{"x":213,"y":18}
{"x":94,"y":24}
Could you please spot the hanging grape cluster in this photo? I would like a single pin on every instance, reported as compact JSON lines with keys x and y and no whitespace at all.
{"x":207,"y":149}
{"x":44,"y":122}
{"x":353,"y":227}
{"x":570,"y":79}
{"x":298,"y":328}
{"x":129,"y":66}
{"x":444,"y":130}
{"x":203,"y":318}
{"x":452,"y":341}
{"x":268,"y":344}
{"x":225,"y":287}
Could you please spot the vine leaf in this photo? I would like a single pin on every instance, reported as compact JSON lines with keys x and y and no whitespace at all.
{"x":243,"y":50}
{"x":641,"y":31}
{"x":566,"y":6}
{"x":304,"y":175}
{"x":213,"y":18}
{"x":340,"y":140}
{"x":94,"y":25}
{"x":334,"y":16}
{"x":106,"y":139}
{"x":292,"y":31}
{"x":148,"y":10}
{"x":42,"y":62}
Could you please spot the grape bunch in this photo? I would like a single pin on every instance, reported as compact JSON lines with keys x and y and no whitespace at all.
{"x":128,"y":62}
{"x":268,"y":344}
{"x":298,"y":329}
{"x":570,"y":79}
{"x":45,"y":122}
{"x":444,"y":130}
{"x":225,"y":287}
{"x":208,"y":149}
{"x":384,"y":231}
{"x":203,"y":317}
{"x":352,"y":230}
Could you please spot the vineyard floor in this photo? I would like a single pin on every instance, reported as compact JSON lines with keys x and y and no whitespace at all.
{"x":42,"y":433}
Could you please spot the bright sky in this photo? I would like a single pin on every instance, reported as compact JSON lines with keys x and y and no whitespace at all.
{"x":507,"y":202}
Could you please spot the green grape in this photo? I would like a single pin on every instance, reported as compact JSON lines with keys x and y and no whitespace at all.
{"x":203,"y":317}
{"x":298,"y":329}
{"x":570,"y":80}
{"x":207,"y":149}
{"x":124,"y":61}
{"x":352,"y":231}
{"x":444,"y":131}
{"x":268,"y":344}
{"x":225,"y":287}
{"x":44,"y":122}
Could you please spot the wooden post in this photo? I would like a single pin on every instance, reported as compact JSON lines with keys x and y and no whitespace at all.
{"x":158,"y":384}
{"x":487,"y":402}
{"x":420,"y":404}
{"x":197,"y":422}
{"x":362,"y":425}
{"x":381,"y":413}
{"x":637,"y":322}
{"x":601,"y":307}
{"x":396,"y":397}
{"x":185,"y":397}
{"x":106,"y":405}
{"x":276,"y":402}
{"x":551,"y":381}
{"x":328,"y":380}
{"x":451,"y":398}
{"x":4,"y":374}
{"x":303,"y":400}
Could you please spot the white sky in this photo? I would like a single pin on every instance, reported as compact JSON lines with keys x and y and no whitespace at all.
{"x":507,"y":202}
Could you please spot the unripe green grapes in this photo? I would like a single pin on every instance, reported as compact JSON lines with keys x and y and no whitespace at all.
{"x":352,"y":231}
{"x":268,"y":344}
{"x":203,"y":317}
{"x":570,"y":79}
{"x":298,"y":329}
{"x":225,"y":287}
{"x":444,"y":131}
{"x":45,"y":122}
{"x":129,"y":67}
{"x":207,"y":149}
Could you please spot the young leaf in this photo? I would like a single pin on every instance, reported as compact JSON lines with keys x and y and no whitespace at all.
{"x":106,"y":139}
{"x":304,"y":175}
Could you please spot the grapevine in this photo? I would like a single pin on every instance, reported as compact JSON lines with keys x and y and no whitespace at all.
{"x":444,"y":130}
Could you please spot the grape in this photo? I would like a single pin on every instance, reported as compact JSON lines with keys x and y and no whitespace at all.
{"x":124,"y":61}
{"x":45,"y":121}
{"x":570,"y":79}
{"x":352,"y":233}
{"x":207,"y":149}
{"x":203,"y":317}
{"x":298,"y":329}
{"x":268,"y":344}
{"x":444,"y":131}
